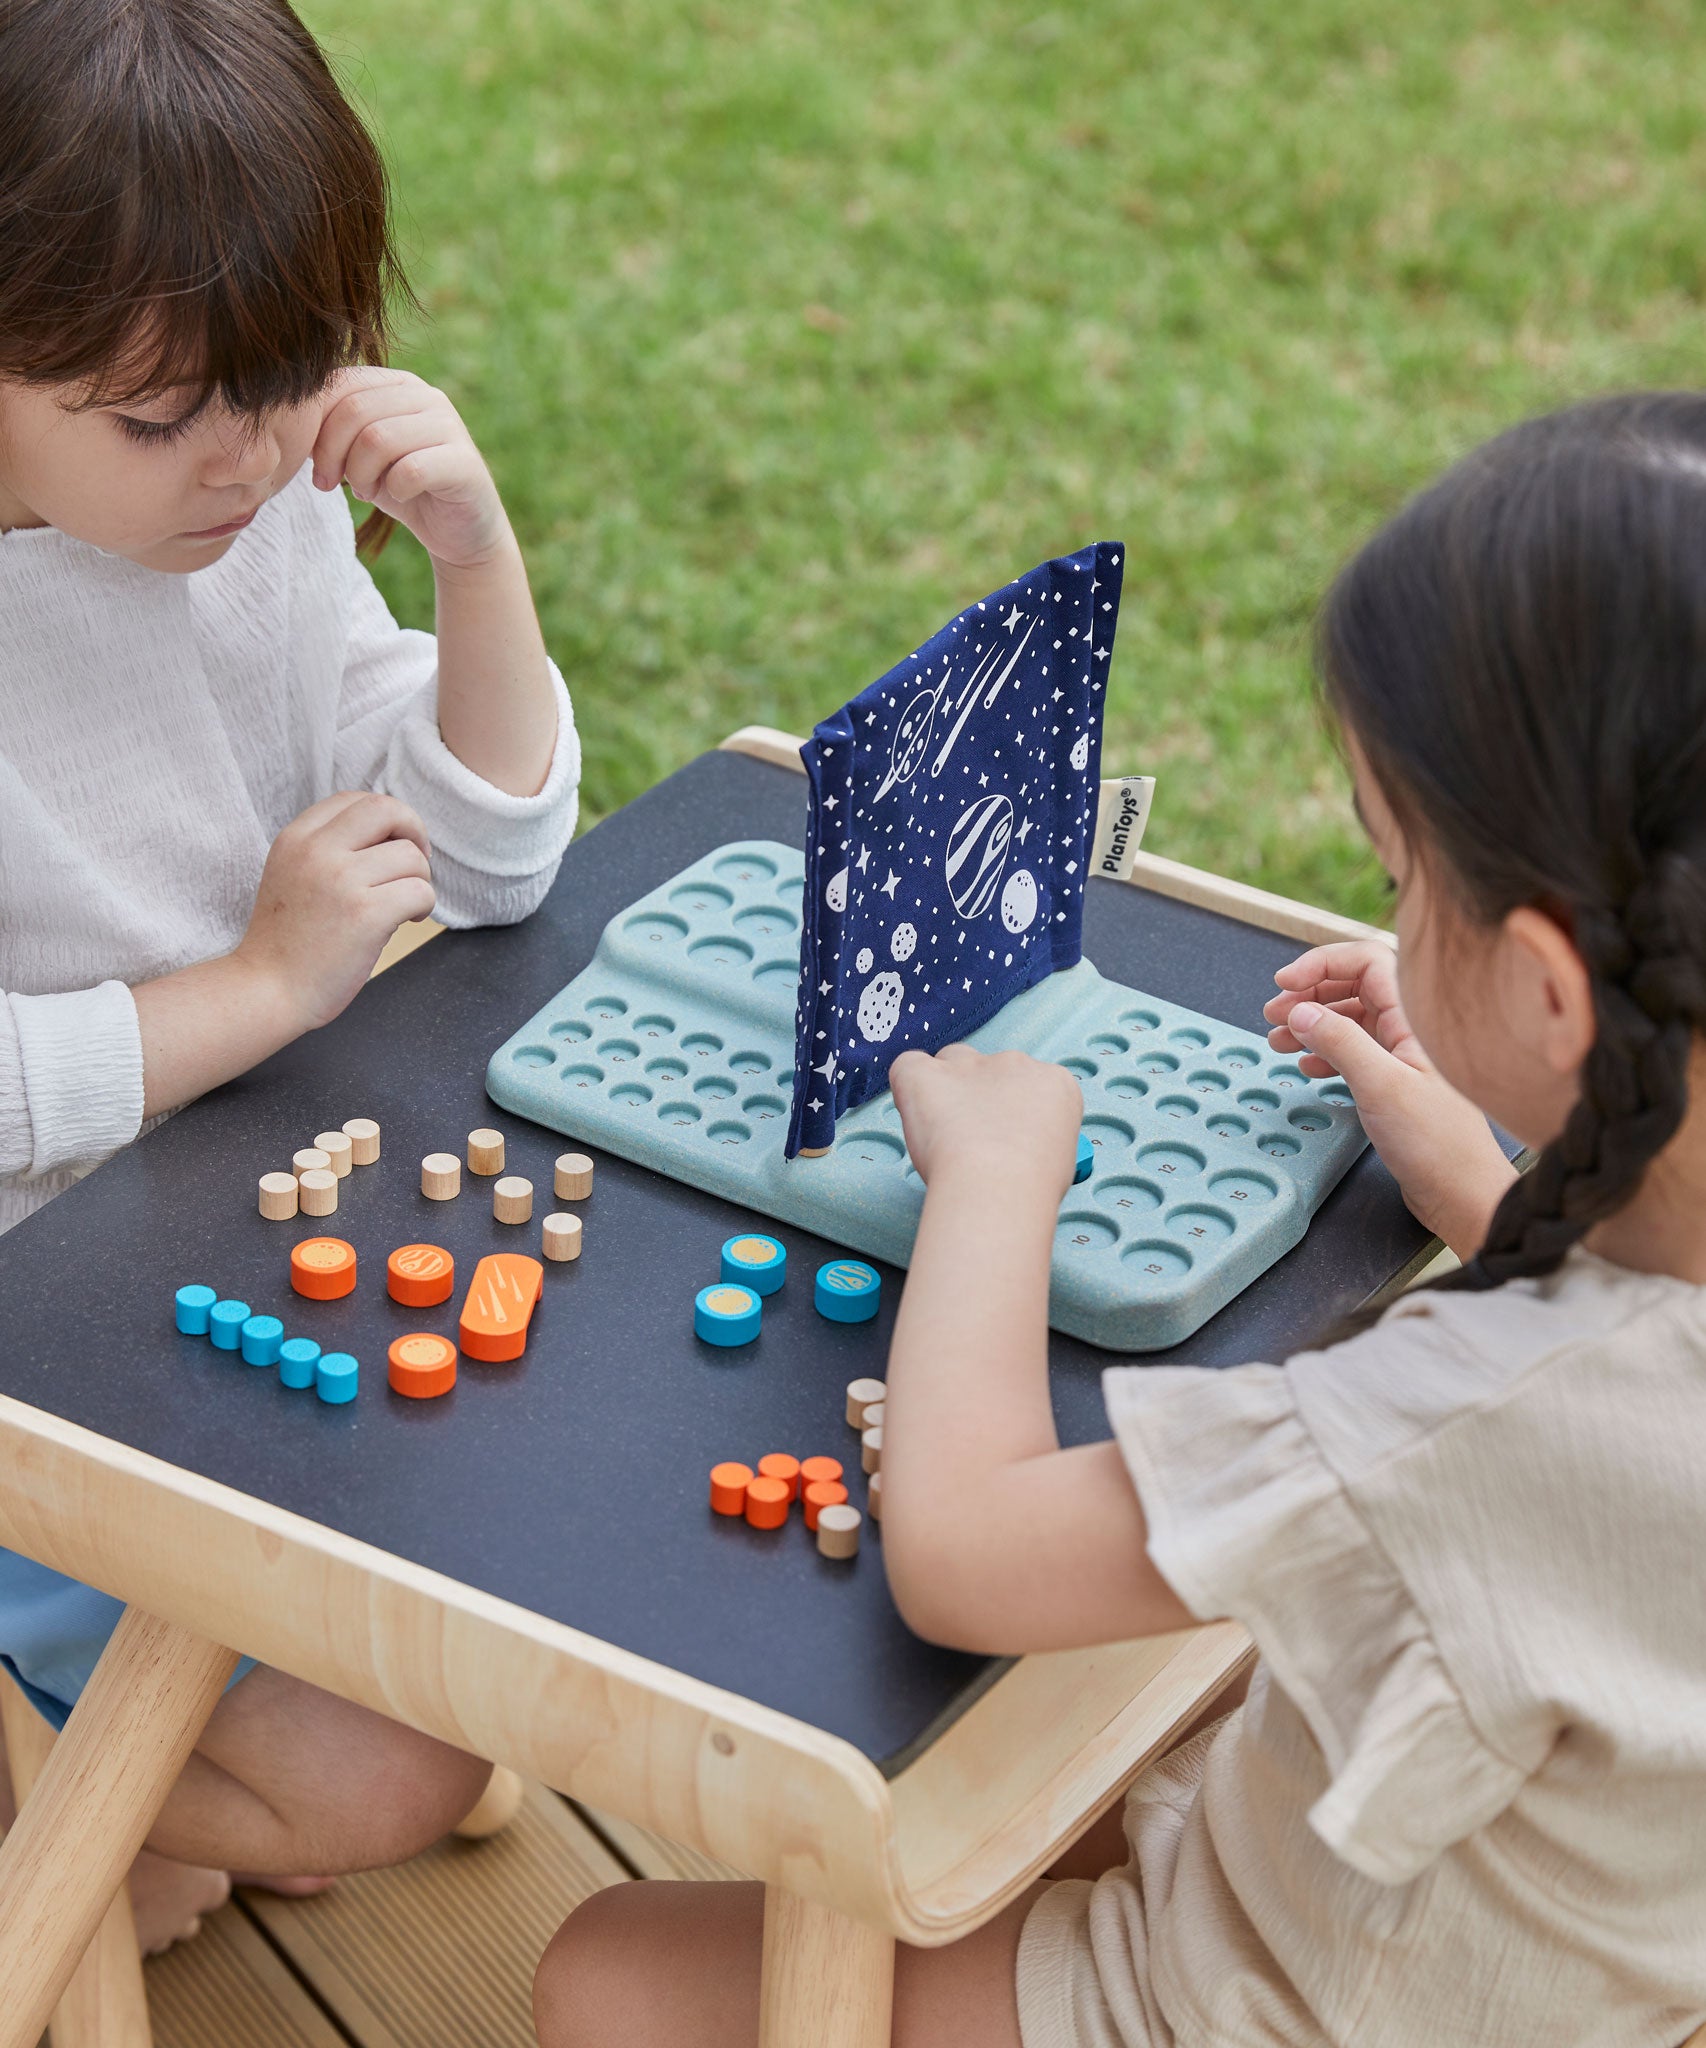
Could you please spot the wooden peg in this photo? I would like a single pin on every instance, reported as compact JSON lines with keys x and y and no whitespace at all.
{"x":873,"y":1416}
{"x":311,"y":1160}
{"x":562,"y":1237}
{"x":860,"y":1395}
{"x":363,"y":1134}
{"x":871,"y":1450}
{"x":512,"y":1199}
{"x":278,"y":1196}
{"x":838,"y":1531}
{"x":317,"y":1190}
{"x":572,"y":1178}
{"x":874,"y":1497}
{"x":337,"y":1149}
{"x":441,"y":1176}
{"x":485,"y":1152}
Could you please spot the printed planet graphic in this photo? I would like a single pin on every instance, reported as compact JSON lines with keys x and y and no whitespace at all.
{"x":865,"y":961}
{"x":1080,"y":755}
{"x":977,"y":852}
{"x":905,"y":941}
{"x":1019,"y":901}
{"x":912,"y":736}
{"x":879,"y":1007}
{"x":835,"y":893}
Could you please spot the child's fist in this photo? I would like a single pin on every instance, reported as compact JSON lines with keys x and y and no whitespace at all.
{"x":401,"y":445}
{"x":338,"y":881}
{"x":997,"y":1114}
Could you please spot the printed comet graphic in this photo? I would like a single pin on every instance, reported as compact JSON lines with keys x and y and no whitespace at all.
{"x":912,"y":735}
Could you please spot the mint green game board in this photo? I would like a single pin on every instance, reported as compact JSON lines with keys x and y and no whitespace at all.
{"x":675,"y":1049}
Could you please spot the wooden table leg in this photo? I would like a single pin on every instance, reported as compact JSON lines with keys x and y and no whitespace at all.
{"x":104,"y":2005}
{"x":828,"y":1980}
{"x":104,"y":1782}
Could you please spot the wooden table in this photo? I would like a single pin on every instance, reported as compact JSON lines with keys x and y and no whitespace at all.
{"x":861,"y":1840}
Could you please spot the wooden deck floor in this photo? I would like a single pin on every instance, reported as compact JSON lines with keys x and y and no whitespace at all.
{"x":436,"y":1954}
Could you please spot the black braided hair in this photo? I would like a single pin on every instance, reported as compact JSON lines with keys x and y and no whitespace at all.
{"x":1521,"y":655}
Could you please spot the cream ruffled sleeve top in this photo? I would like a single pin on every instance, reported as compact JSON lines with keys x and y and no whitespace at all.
{"x":156,"y":734}
{"x":1465,"y":1804}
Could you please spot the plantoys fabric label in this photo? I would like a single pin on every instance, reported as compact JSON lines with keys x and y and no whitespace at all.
{"x":1120,"y":822}
{"x":951,"y":811}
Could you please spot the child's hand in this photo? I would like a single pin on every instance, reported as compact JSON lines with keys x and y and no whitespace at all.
{"x":337,"y":883}
{"x":999,"y":1113}
{"x":402,"y":447}
{"x":1339,"y":1007}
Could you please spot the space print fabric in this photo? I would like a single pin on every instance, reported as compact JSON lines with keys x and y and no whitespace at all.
{"x":948,"y":839}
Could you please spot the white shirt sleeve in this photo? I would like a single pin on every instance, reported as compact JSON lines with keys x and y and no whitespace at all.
{"x":70,"y":1079}
{"x":493,"y":855}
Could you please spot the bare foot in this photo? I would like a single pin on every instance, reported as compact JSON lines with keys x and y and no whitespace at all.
{"x":286,"y":1887}
{"x":169,"y":1899}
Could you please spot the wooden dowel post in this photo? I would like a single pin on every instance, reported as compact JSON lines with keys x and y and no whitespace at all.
{"x":102,"y":1784}
{"x":104,"y":2005}
{"x":828,"y":1980}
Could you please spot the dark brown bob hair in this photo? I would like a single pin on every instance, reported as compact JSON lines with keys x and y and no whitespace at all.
{"x":187,"y":200}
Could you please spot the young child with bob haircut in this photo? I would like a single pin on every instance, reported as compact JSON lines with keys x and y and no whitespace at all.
{"x":1464,"y":1802}
{"x":226,"y":775}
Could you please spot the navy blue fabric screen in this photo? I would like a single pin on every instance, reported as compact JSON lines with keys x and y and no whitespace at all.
{"x":948,"y":835}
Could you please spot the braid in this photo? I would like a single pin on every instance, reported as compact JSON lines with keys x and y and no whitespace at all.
{"x":1649,"y":1000}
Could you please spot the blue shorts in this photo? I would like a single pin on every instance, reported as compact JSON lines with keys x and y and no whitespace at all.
{"x":52,"y":1632}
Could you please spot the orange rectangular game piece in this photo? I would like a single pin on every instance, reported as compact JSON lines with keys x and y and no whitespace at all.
{"x":501,"y":1298}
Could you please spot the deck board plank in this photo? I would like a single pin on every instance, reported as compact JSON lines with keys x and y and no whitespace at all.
{"x":440,"y":1952}
{"x":228,"y":1985}
{"x":653,"y":1855}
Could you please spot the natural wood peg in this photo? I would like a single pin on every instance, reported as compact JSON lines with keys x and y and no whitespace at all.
{"x":512,"y":1199}
{"x":498,"y":1806}
{"x":441,"y":1176}
{"x":873,"y":1416}
{"x":485,"y":1152}
{"x":860,"y":1395}
{"x":572,"y":1178}
{"x":838,"y":1531}
{"x":337,"y":1149}
{"x":871,"y":1450}
{"x":874,"y":1497}
{"x":562,"y":1237}
{"x":311,"y":1160}
{"x":317,"y":1190}
{"x":278,"y":1196}
{"x":363,"y":1134}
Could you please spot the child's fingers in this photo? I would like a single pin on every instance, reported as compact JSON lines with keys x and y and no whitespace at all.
{"x":1347,"y":960}
{"x":1336,"y":1042}
{"x":406,"y":901}
{"x":421,"y":472}
{"x":354,"y":414}
{"x":1282,"y":1039}
{"x":372,"y":819}
{"x":381,"y":444}
{"x":392,"y":860}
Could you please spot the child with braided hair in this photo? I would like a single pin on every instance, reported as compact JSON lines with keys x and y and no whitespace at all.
{"x":1464,"y":1802}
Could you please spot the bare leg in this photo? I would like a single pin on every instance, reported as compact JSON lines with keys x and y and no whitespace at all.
{"x":289,"y":1780}
{"x":600,"y":1984}
{"x":286,"y":1784}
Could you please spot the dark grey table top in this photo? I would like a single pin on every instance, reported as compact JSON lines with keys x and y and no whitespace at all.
{"x":574,"y":1483}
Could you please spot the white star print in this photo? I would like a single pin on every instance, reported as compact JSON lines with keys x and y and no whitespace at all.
{"x":1011,"y":620}
{"x":827,"y":1070}
{"x":814,"y":1103}
{"x":891,"y":885}
{"x":864,"y":860}
{"x":829,"y":803}
{"x":824,"y":989}
{"x":1023,"y":830}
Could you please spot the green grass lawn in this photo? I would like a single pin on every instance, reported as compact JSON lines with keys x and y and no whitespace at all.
{"x":787,"y":329}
